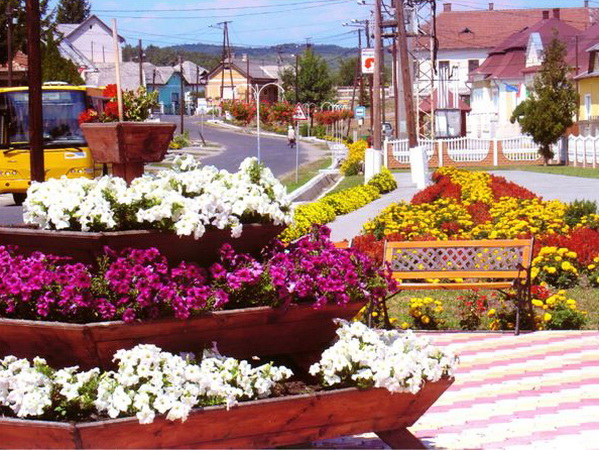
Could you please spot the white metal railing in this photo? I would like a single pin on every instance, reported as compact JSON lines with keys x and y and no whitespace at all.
{"x":467,"y":149}
{"x":401,"y":150}
{"x":583,"y":151}
{"x":520,"y":148}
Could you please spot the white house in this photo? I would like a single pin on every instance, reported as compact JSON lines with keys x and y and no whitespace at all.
{"x":92,"y":38}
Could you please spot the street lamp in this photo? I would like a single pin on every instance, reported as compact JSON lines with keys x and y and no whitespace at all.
{"x":257,"y":91}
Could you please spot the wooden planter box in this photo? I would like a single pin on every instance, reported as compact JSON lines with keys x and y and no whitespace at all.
{"x":257,"y":424}
{"x":86,"y":246}
{"x":263,"y":331}
{"x":126,"y":142}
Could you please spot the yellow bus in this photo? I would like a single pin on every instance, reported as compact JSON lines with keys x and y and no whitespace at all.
{"x":65,"y":150}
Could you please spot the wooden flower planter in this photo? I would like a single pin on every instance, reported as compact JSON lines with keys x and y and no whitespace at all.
{"x":299,"y":330}
{"x":128,"y":145}
{"x":86,"y":246}
{"x":257,"y":424}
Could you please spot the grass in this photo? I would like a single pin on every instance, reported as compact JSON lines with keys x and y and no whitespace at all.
{"x":586,"y":298}
{"x":582,"y":172}
{"x":306,"y":173}
{"x":348,"y":182}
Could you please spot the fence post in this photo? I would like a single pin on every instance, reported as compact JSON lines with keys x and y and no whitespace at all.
{"x":495,"y":152}
{"x":386,"y":145}
{"x":439,"y":144}
{"x":575,"y":152}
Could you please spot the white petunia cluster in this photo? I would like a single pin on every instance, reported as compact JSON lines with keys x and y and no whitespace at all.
{"x":185,"y":200}
{"x":24,"y":387}
{"x":394,"y":360}
{"x":148,"y":382}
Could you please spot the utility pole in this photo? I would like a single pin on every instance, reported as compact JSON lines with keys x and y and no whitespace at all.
{"x":226,"y":60}
{"x":404,"y":62}
{"x":376,"y":88}
{"x":296,"y":77}
{"x":141,"y":64}
{"x":34,"y":75}
{"x":181,"y":93}
{"x":9,"y":41}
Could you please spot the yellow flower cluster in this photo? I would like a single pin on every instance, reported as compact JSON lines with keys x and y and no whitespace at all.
{"x":351,"y":199}
{"x":355,"y":157}
{"x":304,"y":217}
{"x":558,"y":312}
{"x":556,"y":267}
{"x":513,"y":217}
{"x":420,"y":220}
{"x":475,"y":185}
{"x":425,"y":313}
{"x":593,"y":272}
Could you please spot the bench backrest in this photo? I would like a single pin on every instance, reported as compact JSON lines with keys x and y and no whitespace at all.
{"x":489,"y":258}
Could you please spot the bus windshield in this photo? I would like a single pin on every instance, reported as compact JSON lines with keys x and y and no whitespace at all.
{"x":61,"y":109}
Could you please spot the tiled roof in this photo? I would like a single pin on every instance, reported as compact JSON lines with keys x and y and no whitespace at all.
{"x":508,"y":59}
{"x":487,"y":29}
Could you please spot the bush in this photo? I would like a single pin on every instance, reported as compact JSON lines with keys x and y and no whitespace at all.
{"x":180,"y":141}
{"x":349,"y":200}
{"x":355,"y":158}
{"x":383,"y":181}
{"x":577,"y":210}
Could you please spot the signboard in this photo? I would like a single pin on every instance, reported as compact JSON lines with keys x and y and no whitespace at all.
{"x":367,"y":58}
{"x":298,"y":113}
{"x":360,"y":112}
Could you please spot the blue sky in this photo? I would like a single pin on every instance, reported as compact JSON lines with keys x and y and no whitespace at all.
{"x":258,"y":22}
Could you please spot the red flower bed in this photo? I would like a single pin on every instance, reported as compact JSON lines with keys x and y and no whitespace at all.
{"x":503,"y":188}
{"x":443,"y":188}
{"x":584,"y":241}
{"x":479,"y":212}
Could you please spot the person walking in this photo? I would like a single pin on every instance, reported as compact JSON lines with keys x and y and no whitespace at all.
{"x":290,"y":137}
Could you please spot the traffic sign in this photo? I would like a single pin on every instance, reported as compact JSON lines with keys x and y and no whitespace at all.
{"x":367,"y":60}
{"x":360,"y":112}
{"x":298,"y":113}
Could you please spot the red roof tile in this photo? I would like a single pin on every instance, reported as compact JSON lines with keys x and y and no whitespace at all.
{"x":487,"y":29}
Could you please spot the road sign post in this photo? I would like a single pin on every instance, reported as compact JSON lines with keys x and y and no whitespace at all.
{"x":298,"y":114}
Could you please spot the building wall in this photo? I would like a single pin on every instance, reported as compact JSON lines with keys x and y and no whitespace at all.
{"x":95,"y":42}
{"x":588,"y":110}
{"x":492,"y":106}
{"x":214,"y":84}
{"x":168,"y":94}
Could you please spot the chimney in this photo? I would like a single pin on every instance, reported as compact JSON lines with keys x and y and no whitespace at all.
{"x":491,"y":6}
{"x":586,"y":3}
{"x":556,"y":13}
{"x":446,"y":7}
{"x":545,"y":14}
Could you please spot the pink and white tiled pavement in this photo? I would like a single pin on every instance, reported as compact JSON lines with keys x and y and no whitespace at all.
{"x":536,"y":390}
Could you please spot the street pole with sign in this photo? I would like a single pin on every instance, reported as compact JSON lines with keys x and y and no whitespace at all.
{"x":298,"y":114}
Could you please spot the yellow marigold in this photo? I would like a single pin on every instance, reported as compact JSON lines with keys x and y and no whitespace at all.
{"x":546,"y":317}
{"x":537,"y":302}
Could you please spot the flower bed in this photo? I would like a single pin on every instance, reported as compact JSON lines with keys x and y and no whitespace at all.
{"x":161,"y":389}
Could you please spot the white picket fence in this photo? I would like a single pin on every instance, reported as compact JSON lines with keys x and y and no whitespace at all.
{"x":473,"y":150}
{"x":583,"y":151}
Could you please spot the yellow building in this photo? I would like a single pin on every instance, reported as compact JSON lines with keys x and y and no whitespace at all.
{"x":231,"y":79}
{"x":588,"y":90}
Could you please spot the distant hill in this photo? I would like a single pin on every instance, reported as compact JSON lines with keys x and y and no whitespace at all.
{"x":208,"y":55}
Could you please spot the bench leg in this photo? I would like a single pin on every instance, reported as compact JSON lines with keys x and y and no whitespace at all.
{"x":400,"y":438}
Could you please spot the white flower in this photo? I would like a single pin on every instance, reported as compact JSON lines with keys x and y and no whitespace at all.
{"x":397,"y":361}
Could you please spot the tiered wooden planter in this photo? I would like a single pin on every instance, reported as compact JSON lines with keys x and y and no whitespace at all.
{"x":257,"y":424}
{"x":299,"y":330}
{"x":86,"y":246}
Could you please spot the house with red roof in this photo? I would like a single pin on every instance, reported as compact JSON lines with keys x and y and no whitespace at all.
{"x":506,"y":76}
{"x":465,"y":38}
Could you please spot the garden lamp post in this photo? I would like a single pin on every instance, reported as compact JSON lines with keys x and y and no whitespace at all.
{"x":257,"y":93}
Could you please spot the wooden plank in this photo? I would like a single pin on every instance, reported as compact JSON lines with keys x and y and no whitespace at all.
{"x":400,"y":438}
{"x":271,"y":422}
{"x":424,"y":274}
{"x":453,"y":286}
{"x":491,"y":243}
{"x":19,"y":433}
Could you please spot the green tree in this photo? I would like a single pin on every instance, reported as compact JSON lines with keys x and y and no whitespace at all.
{"x":55,"y":67}
{"x":19,"y":29}
{"x":314,"y":80}
{"x":548,"y":112}
{"x":72,"y":11}
{"x":346,"y":73}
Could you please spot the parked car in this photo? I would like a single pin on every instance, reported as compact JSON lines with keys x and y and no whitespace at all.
{"x":386,"y":130}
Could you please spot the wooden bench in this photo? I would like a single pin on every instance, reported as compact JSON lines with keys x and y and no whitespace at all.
{"x":484,"y":264}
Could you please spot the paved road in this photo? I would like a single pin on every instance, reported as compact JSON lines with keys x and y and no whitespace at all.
{"x":239,"y":144}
